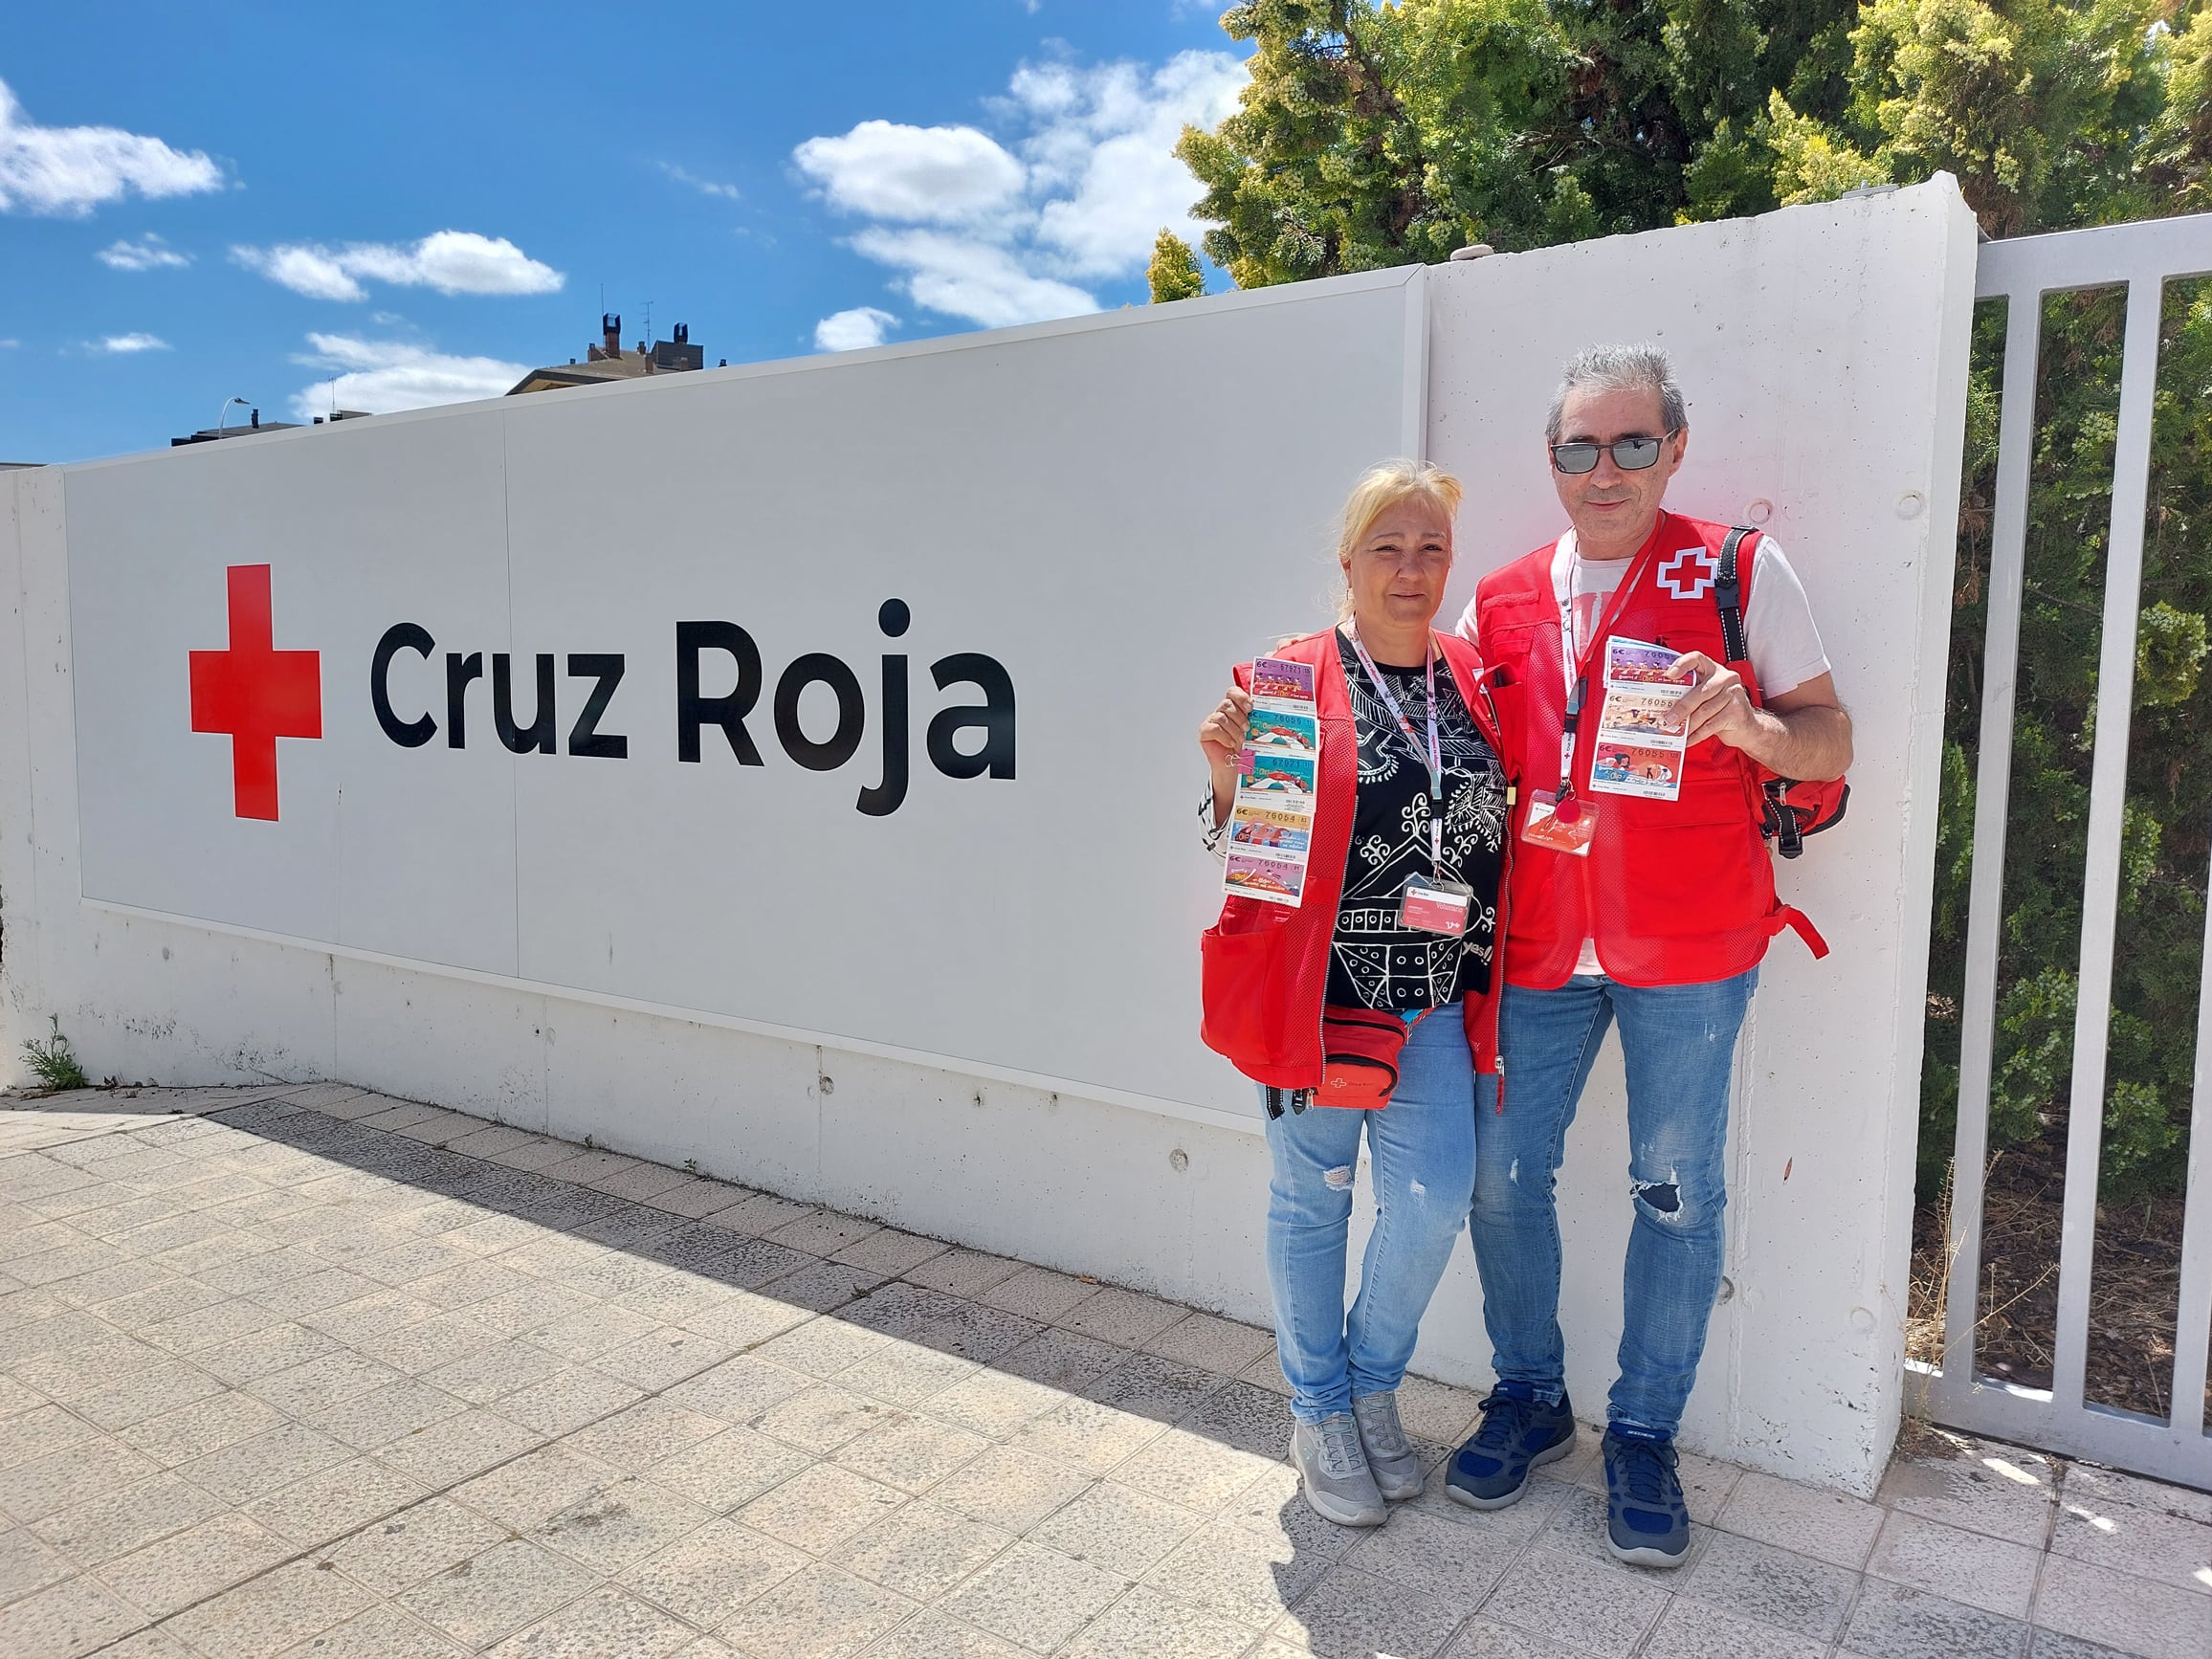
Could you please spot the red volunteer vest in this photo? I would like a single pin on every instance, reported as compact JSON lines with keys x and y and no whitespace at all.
{"x":1673,"y":891}
{"x":1264,"y":968}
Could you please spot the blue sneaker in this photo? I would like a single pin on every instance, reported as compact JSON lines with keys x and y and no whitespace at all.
{"x":1518,"y":1432}
{"x":1646,"y":1523}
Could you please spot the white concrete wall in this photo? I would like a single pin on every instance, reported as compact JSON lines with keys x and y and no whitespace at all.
{"x":1823,"y":351}
{"x":1810,"y":329}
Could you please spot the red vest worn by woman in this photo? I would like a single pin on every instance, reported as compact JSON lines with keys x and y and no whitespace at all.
{"x":1264,"y":968}
{"x":1673,"y":891}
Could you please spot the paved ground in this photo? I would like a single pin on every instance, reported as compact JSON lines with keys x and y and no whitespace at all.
{"x":309,"y":1371}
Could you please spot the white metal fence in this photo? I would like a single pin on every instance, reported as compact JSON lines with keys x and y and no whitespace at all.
{"x":2145,"y":258}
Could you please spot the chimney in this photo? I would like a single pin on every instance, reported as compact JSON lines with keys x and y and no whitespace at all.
{"x":256,"y":420}
{"x":611,"y":324}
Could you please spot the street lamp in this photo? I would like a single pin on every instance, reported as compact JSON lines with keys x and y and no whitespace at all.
{"x":226,"y":413}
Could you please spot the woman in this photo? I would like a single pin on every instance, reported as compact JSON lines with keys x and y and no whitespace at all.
{"x":1303,"y":1000}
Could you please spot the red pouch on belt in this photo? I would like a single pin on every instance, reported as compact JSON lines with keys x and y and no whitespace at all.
{"x":1358,"y":1057}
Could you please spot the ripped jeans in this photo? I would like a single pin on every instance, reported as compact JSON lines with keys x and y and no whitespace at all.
{"x":1422,"y":1146}
{"x":1679,"y":1045}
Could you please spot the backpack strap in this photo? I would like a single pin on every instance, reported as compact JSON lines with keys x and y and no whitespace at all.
{"x":1728,"y":594}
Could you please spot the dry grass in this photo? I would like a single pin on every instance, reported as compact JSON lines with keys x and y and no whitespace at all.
{"x":2135,"y":1286}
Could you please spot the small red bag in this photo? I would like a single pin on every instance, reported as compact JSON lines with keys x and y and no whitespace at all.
{"x":1358,"y":1057}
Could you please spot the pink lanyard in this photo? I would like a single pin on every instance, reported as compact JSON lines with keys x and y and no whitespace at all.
{"x":1435,"y":756}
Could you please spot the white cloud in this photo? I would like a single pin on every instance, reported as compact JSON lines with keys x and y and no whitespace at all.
{"x":1107,"y":138}
{"x":940,"y":175}
{"x":961,"y":276}
{"x":9,"y":345}
{"x":450,"y":262}
{"x":855,"y":330}
{"x":379,"y":376}
{"x":704,"y":186}
{"x":124,"y":345}
{"x":70,"y":171}
{"x":1075,"y":195}
{"x":147,"y":253}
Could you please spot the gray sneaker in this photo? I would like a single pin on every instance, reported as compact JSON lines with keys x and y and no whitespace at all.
{"x":1334,"y":1472}
{"x":1395,"y":1465}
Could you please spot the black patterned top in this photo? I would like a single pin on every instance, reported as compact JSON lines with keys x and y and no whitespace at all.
{"x":1371,"y":962}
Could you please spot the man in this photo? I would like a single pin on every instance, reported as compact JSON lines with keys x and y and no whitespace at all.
{"x":1646,"y":912}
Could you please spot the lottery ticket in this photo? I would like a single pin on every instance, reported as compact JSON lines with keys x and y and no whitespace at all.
{"x":1641,"y":735}
{"x":1271,"y":827}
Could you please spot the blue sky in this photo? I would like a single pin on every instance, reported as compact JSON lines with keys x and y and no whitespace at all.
{"x":255,"y":200}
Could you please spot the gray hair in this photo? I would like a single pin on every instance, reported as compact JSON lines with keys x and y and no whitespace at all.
{"x":1620,"y":368}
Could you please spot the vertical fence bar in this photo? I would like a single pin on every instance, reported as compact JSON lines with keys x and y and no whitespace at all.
{"x":2193,"y":1332}
{"x":1992,"y":794}
{"x":2108,"y":800}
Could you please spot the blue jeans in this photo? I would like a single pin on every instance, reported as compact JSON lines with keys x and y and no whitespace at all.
{"x":1422,"y":1146}
{"x":1679,"y":1042}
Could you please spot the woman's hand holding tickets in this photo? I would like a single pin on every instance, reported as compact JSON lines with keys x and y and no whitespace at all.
{"x":1221,"y":737}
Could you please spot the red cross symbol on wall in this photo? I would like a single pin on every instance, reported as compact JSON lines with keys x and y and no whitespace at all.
{"x":255,"y":693}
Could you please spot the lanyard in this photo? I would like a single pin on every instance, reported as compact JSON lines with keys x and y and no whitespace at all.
{"x":1566,"y":807}
{"x":1433,"y":759}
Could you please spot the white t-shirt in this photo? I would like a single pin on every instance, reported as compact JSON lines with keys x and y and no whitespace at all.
{"x":1779,"y":631}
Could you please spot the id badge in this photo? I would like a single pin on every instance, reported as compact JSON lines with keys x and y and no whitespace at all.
{"x":1545,"y":827}
{"x":1427,"y":906}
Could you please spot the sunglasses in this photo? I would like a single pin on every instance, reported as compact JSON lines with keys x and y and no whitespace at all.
{"x":1629,"y":454}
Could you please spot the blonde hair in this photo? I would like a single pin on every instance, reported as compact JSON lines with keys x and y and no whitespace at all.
{"x":1382,"y":488}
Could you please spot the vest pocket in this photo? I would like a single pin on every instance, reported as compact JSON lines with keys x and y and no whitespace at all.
{"x":1245,"y":991}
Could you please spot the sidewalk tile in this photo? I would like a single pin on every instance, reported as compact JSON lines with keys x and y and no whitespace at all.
{"x":1350,"y":1613}
{"x":931,"y":1635}
{"x":1037,"y":1293}
{"x":65,"y":1621}
{"x":1009,"y":1490}
{"x":1896,"y":1622}
{"x":1144,"y":1624}
{"x":1211,"y":1343}
{"x":1117,"y":1530}
{"x":1692,"y":1630}
{"x":1243,"y":1574}
{"x":1827,"y":1525}
{"x":383,"y":1632}
{"x":403,"y":1549}
{"x":960,"y":1271}
{"x":2132,"y":1614}
{"x":888,"y":1251}
{"x":272,"y":1613}
{"x":922,"y":1550}
{"x":1035,"y":1596}
{"x":2154,"y":1543}
{"x":1598,"y":1608}
{"x":1961,"y":1566}
{"x":512,"y":1585}
{"x":819,"y":1506}
{"x":620,"y":1525}
{"x":605,"y":1624}
{"x":817,"y":1613}
{"x":2000,"y":1490}
{"x":190,"y":1565}
{"x":1126,"y":1318}
{"x":709,"y":1575}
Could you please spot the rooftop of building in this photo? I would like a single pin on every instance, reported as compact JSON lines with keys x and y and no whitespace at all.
{"x":609,"y":362}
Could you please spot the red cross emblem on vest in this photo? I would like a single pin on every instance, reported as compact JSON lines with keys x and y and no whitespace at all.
{"x":1677,"y":576}
{"x":254,"y":694}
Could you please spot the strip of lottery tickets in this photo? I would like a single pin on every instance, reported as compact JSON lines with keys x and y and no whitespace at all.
{"x":1641,"y":731}
{"x":1270,"y":828}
